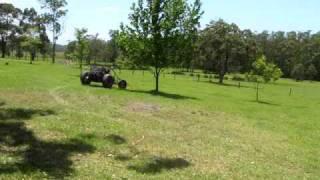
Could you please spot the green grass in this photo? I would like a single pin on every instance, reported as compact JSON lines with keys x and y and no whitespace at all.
{"x":52,"y":127}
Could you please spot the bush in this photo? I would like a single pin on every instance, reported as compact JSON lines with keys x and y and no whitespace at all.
{"x":252,"y":77}
{"x":238,"y":77}
{"x":191,"y":74}
{"x":178,"y":73}
{"x":268,"y":71}
{"x":205,"y":76}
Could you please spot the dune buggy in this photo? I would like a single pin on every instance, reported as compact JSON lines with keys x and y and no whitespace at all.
{"x":101,"y":74}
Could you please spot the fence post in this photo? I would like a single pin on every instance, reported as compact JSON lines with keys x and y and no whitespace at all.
{"x":257,"y":93}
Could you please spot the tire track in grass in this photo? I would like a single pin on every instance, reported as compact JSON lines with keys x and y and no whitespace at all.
{"x":55,"y":94}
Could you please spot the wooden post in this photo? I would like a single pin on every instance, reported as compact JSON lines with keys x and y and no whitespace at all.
{"x":198,"y":77}
{"x":239,"y":85}
{"x":290,"y":92}
{"x":257,"y":92}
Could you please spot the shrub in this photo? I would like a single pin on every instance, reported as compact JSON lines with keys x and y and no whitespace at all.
{"x":252,"y":77}
{"x":268,"y":71}
{"x":178,"y":73}
{"x":238,"y":77}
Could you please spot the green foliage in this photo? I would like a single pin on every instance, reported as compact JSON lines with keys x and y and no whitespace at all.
{"x":69,"y":53}
{"x":298,"y":72}
{"x":268,"y":71}
{"x":238,"y":77}
{"x":82,"y":46}
{"x":55,"y":11}
{"x":158,"y":30}
{"x":218,"y":42}
{"x":8,"y":28}
{"x":99,"y":50}
{"x":311,"y":72}
{"x":251,"y":77}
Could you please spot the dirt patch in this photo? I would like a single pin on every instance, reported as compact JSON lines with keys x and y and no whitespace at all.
{"x":142,"y":107}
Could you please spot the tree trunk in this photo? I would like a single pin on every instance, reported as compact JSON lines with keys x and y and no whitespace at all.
{"x":156,"y":34}
{"x":157,"y":75}
{"x":33,"y":55}
{"x":224,"y":68}
{"x":54,"y":44}
{"x":221,"y":76}
{"x":54,"y":53}
{"x":3,"y":47}
{"x":80,"y":65}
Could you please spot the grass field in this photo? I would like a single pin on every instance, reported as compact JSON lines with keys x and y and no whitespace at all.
{"x":52,"y":127}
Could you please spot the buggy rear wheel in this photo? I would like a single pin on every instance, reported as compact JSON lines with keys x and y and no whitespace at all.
{"x":108,"y":81}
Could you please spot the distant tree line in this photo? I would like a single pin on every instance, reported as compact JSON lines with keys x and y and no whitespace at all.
{"x":91,"y":49}
{"x":225,"y":48}
{"x":23,"y":33}
{"x":161,"y":34}
{"x":166,"y":33}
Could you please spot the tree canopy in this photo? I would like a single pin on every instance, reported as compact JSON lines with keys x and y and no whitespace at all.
{"x":158,"y":31}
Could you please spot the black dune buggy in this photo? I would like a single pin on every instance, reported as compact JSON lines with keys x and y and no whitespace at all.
{"x":103,"y":75}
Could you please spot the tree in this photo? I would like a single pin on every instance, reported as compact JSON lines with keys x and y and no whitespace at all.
{"x":219,"y":42}
{"x":82,"y":48}
{"x":55,"y":12}
{"x":32,"y":31}
{"x":311,"y":72}
{"x":298,"y":72}
{"x":268,"y":71}
{"x":250,"y":49}
{"x":94,"y":48}
{"x":155,"y":27}
{"x":69,"y":53}
{"x":8,"y":13}
{"x":112,"y":49}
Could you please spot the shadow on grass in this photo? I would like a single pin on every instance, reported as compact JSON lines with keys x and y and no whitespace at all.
{"x":158,"y":164}
{"x":2,"y":103}
{"x":143,"y":162}
{"x":163,"y":94}
{"x":233,"y":85}
{"x":152,"y":92}
{"x":265,"y":103}
{"x":116,"y":139}
{"x":21,"y":113}
{"x":31,"y":154}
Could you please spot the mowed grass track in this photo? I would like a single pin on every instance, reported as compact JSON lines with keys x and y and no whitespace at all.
{"x":53,"y":127}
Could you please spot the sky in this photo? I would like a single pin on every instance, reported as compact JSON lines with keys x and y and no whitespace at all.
{"x":101,"y":16}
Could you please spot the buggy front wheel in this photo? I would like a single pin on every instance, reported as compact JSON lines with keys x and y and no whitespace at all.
{"x":122,"y":84}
